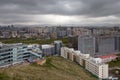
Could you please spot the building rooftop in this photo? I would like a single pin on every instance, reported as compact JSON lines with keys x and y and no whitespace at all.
{"x":97,"y":61}
{"x":46,"y":46}
{"x":108,"y":56}
{"x":58,"y":41}
{"x":10,"y":45}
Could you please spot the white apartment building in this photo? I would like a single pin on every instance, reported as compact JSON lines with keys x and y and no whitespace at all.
{"x":93,"y":65}
{"x":96,"y":68}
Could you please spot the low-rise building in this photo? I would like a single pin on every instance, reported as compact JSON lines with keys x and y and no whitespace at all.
{"x":11,"y":54}
{"x":93,"y":65}
{"x":108,"y":58}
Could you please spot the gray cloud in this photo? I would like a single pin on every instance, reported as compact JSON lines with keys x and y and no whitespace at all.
{"x":18,"y":11}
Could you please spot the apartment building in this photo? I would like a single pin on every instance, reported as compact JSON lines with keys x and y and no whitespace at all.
{"x":98,"y":45}
{"x":86,"y":44}
{"x":57,"y":45}
{"x":93,"y":65}
{"x":47,"y":49}
{"x":97,"y":68}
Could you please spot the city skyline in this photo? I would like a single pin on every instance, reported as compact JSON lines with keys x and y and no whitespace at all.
{"x":59,"y":12}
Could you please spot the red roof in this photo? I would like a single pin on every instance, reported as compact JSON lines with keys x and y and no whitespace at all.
{"x":108,"y":56}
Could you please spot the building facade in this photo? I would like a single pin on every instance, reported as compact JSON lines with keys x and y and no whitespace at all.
{"x":47,"y":50}
{"x":86,"y":44}
{"x":11,"y":54}
{"x":93,"y":65}
{"x":57,"y":45}
{"x":98,"y":45}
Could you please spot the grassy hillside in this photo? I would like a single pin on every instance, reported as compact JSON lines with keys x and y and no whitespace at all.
{"x":56,"y":68}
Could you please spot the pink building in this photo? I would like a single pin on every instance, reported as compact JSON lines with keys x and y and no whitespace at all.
{"x":108,"y":58}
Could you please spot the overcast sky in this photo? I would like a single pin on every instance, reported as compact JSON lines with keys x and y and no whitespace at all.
{"x":33,"y":12}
